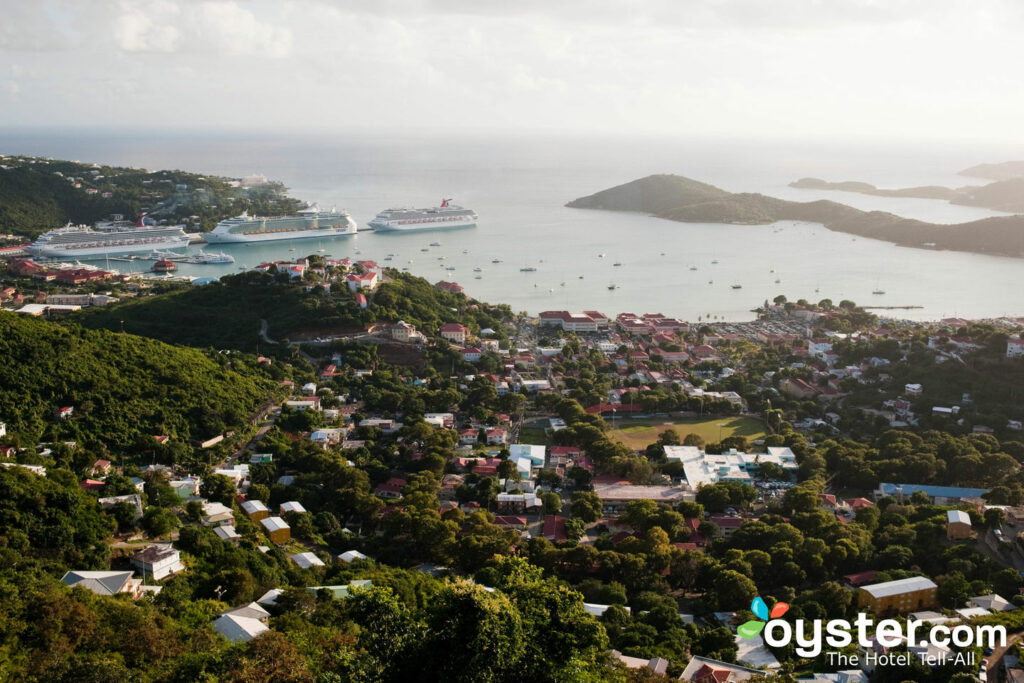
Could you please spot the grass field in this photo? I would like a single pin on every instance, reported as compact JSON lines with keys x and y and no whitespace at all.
{"x":638,"y":434}
{"x":532,"y":435}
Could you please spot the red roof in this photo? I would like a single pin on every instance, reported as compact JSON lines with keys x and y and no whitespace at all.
{"x":454,"y":327}
{"x":860,"y":578}
{"x":554,"y":528}
{"x":508,"y":520}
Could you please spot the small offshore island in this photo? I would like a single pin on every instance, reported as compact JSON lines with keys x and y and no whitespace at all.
{"x":678,"y":198}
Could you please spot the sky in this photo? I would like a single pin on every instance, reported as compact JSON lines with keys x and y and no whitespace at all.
{"x":930,"y":69}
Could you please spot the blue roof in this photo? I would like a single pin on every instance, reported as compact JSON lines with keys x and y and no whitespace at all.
{"x":933,"y":491}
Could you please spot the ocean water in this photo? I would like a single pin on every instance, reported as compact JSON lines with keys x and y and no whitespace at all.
{"x":518,"y":184}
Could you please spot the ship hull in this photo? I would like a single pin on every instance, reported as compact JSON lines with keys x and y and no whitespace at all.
{"x":380,"y":226}
{"x":73,"y":251}
{"x":242,"y":238}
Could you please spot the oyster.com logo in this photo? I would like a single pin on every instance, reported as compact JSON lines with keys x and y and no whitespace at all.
{"x":752,"y":628}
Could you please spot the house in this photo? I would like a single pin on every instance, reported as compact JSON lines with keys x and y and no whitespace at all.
{"x":615,"y":496}
{"x":292,"y":506}
{"x":899,"y":597}
{"x":658,"y":665}
{"x":362,"y":282}
{"x":451,"y":287}
{"x":215,"y":514}
{"x":338,"y":592}
{"x":277,"y":530}
{"x":471,"y":354}
{"x":65,"y":412}
{"x":1014,"y":348}
{"x":100,"y":467}
{"x":133,"y":499}
{"x":570,"y":322}
{"x":255,"y":510}
{"x":390,"y":489}
{"x":992,"y":603}
{"x":351,"y":556}
{"x":158,"y":561}
{"x":239,"y":629}
{"x":554,"y":528}
{"x":454,"y":332}
{"x":958,"y":525}
{"x":403,"y":331}
{"x":105,"y":583}
{"x":226,"y":532}
{"x":795,"y":387}
{"x":704,"y":670}
{"x":307,"y":560}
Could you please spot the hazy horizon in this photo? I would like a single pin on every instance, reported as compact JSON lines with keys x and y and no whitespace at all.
{"x":801,"y":69}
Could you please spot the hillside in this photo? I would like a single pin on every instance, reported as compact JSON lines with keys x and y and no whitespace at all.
{"x":1003,"y":195}
{"x":227,"y":314}
{"x":121,"y":387}
{"x":37,"y":195}
{"x":669,"y":197}
{"x":1003,"y":171}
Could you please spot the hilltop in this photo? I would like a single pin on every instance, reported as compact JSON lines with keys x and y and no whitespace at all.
{"x":123,"y":388}
{"x":38,"y":194}
{"x":1004,"y":195}
{"x":1003,"y":171}
{"x":671,"y":197}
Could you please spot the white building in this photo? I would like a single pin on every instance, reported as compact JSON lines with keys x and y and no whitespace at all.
{"x":307,"y":560}
{"x":705,"y":468}
{"x":158,"y":562}
{"x":1014,"y":348}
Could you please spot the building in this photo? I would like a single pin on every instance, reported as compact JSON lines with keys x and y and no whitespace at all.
{"x":615,"y":497}
{"x":277,"y":530}
{"x":471,"y":354}
{"x":1014,"y":348}
{"x":700,"y":468}
{"x":937,"y":495}
{"x":450,"y":287}
{"x":215,"y":514}
{"x":238,"y":628}
{"x":292,"y":506}
{"x":351,"y":556}
{"x":704,"y":670}
{"x":158,"y":562}
{"x":403,"y":331}
{"x":366,"y":282}
{"x":570,"y":322}
{"x":307,"y":560}
{"x":454,"y":332}
{"x":958,"y":525}
{"x":255,"y":510}
{"x":899,"y":597}
{"x":133,"y":499}
{"x":105,"y":583}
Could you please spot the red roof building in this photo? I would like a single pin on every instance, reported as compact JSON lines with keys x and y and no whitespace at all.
{"x":554,"y":528}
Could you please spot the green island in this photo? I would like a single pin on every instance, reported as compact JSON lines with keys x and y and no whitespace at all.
{"x":39,"y":194}
{"x":681,"y":199}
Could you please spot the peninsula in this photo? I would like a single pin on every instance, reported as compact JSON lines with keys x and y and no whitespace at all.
{"x":682,"y":199}
{"x":1003,"y":195}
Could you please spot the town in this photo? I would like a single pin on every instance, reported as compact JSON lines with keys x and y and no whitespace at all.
{"x":399,"y":438}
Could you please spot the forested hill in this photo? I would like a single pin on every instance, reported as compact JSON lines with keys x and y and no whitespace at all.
{"x":681,"y":199}
{"x":122,"y":387}
{"x":37,"y":195}
{"x":227,"y":314}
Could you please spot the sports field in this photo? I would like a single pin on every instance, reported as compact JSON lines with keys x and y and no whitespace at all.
{"x":638,"y":434}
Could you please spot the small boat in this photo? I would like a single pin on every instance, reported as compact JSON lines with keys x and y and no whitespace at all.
{"x":662,"y":253}
{"x":528,"y":269}
{"x":737,"y":286}
{"x":563,"y":284}
{"x":600,"y":256}
{"x":550,"y":291}
{"x":465,"y":251}
{"x":581,"y":277}
{"x":616,"y":264}
{"x":435,"y":244}
{"x":777,"y":280}
{"x":693,"y":267}
{"x":878,"y":291}
{"x":711,"y":282}
{"x":424,"y":249}
{"x":478,"y":277}
{"x":449,"y":267}
{"x":611,"y":286}
{"x":387,"y":258}
{"x":477,"y":270}
{"x":291,"y":249}
{"x":715,"y":261}
{"x":497,"y":260}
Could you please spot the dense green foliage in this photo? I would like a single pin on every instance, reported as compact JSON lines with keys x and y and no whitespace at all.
{"x":37,"y":195}
{"x":122,"y":387}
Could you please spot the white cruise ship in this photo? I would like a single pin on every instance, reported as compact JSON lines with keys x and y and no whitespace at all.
{"x":444,"y":216}
{"x":108,"y":238}
{"x":308,"y":223}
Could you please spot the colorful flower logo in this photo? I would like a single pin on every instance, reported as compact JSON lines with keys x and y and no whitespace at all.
{"x":753,"y":627}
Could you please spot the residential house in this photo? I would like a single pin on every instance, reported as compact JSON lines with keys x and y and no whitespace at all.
{"x":277,"y":530}
{"x":158,"y":561}
{"x":292,"y":506}
{"x":899,"y":597}
{"x":958,"y":525}
{"x":704,"y":670}
{"x":215,"y":514}
{"x":471,"y":354}
{"x":105,"y":582}
{"x":454,"y":332}
{"x":307,"y":560}
{"x":132,"y":499}
{"x":255,"y":510}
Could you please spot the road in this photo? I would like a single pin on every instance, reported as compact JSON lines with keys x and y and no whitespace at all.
{"x":993,"y":661}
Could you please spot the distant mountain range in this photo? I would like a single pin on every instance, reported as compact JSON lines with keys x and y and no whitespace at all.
{"x":682,"y":199}
{"x":1004,"y":171}
{"x":1003,"y":195}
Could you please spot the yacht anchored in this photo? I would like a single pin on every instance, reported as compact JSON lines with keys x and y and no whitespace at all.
{"x":445,"y":216}
{"x":106,"y":238}
{"x":307,"y":223}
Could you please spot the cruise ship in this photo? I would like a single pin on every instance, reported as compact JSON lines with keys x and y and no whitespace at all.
{"x":108,"y":238}
{"x":445,"y":216}
{"x":308,"y":223}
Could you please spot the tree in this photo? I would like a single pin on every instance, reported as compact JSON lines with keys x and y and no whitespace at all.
{"x":692,"y":439}
{"x":508,"y":470}
{"x":552,"y":502}
{"x":159,"y":521}
{"x":217,"y":487}
{"x":733,"y":590}
{"x":586,"y":506}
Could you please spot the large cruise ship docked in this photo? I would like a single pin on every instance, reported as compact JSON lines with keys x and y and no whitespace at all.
{"x":444,"y":216}
{"x":108,"y":238}
{"x":308,"y":223}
